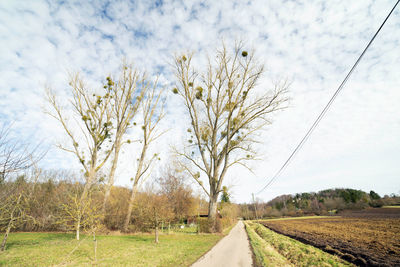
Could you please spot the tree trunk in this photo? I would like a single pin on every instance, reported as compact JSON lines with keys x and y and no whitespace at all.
{"x":78,"y":226}
{"x":106,"y":197}
{"x":156,"y":234}
{"x":84,"y":196}
{"x":82,"y":200}
{"x":3,"y":244}
{"x":212,"y":213}
{"x":111,"y":176}
{"x":130,"y":208}
{"x":95,"y":246}
{"x":156,"y":220}
{"x":135,"y":183}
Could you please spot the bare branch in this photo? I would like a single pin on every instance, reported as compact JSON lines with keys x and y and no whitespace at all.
{"x":225,"y":111}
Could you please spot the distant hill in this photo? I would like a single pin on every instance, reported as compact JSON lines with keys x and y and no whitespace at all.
{"x":325,"y":202}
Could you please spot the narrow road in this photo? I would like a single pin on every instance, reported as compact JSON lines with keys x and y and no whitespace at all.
{"x":233,"y":250}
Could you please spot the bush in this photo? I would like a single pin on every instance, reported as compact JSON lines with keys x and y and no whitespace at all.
{"x":226,"y":222}
{"x":205,"y":226}
{"x":378,"y":203}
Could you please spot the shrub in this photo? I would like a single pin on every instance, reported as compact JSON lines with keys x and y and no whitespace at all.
{"x":377,"y":203}
{"x":205,"y":226}
{"x":226,"y":222}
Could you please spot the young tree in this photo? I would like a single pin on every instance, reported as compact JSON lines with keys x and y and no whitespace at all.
{"x":160,"y":211}
{"x":16,"y":206}
{"x":92,"y":113}
{"x":151,"y":209}
{"x":15,"y":156}
{"x":126,"y":98}
{"x":179,"y":195}
{"x":152,"y":110}
{"x":225,"y":197}
{"x":225,"y":110}
{"x":77,"y":214}
{"x":13,"y":213}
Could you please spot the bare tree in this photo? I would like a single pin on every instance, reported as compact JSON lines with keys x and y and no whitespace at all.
{"x":179,"y":194}
{"x":151,"y":209}
{"x":76,"y":215}
{"x":161,"y":211}
{"x":15,"y":155}
{"x":92,"y":114}
{"x":225,"y":110}
{"x":152,"y":109}
{"x":15,"y":208}
{"x":127,"y":96}
{"x":15,"y":212}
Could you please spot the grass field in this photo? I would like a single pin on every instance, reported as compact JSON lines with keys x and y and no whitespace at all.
{"x":272,"y":249}
{"x":45,"y":249}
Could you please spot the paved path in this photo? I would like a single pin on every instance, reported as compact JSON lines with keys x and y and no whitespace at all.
{"x":233,"y":250}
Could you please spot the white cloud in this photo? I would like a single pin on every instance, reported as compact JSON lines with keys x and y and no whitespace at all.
{"x":314,"y":43}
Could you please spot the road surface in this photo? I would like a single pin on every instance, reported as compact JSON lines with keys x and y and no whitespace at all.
{"x":233,"y":251}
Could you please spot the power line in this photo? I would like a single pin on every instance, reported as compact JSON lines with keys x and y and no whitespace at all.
{"x":326,"y":108}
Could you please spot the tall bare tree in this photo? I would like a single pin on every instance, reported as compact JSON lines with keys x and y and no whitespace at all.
{"x":226,"y":109}
{"x":127,"y":96}
{"x":87,"y":138}
{"x":152,"y":110}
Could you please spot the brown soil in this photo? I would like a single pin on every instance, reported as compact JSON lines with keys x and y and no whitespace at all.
{"x":380,"y":213}
{"x":367,"y":238}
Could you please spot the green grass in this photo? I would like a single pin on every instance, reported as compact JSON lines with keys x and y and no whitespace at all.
{"x":44,"y":249}
{"x":267,"y":244}
{"x":265,"y":254}
{"x":176,"y":229}
{"x":397,"y":207}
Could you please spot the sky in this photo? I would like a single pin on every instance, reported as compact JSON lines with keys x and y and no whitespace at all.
{"x":311,"y":43}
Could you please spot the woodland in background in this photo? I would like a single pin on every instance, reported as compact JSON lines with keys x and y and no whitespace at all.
{"x":325,"y":202}
{"x":50,"y":201}
{"x":169,"y":200}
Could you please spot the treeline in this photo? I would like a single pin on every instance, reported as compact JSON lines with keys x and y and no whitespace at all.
{"x":324,"y":202}
{"x":49,"y":201}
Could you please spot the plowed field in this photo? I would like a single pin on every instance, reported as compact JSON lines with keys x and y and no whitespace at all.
{"x":365,"y":239}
